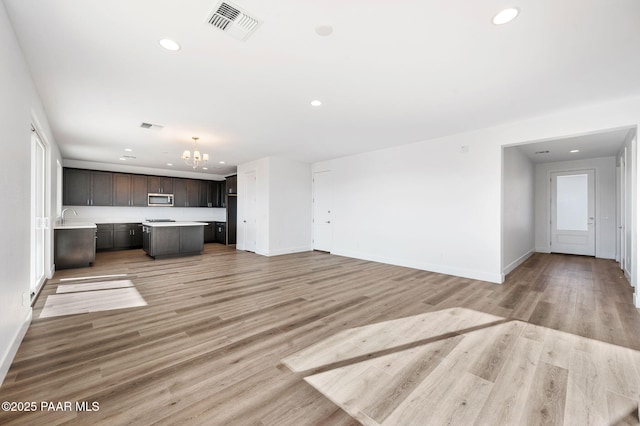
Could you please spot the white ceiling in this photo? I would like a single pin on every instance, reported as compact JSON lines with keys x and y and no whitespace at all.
{"x":391,"y":73}
{"x":601,"y":144}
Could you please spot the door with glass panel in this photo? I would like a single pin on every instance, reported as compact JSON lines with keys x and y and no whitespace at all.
{"x":573,"y":212}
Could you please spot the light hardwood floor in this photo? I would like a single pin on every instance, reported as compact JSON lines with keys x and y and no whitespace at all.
{"x":208,"y":347}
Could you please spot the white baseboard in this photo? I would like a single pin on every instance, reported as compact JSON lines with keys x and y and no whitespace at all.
{"x":636,"y":299}
{"x":280,"y":252}
{"x":7,"y":359}
{"x":513,"y":265}
{"x":289,"y":250}
{"x":442,"y":269}
{"x":606,"y":256}
{"x":543,"y":250}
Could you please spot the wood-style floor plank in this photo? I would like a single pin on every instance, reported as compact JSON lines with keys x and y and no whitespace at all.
{"x":207,"y":348}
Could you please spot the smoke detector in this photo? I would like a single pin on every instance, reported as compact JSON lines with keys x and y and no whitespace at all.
{"x":233,"y":20}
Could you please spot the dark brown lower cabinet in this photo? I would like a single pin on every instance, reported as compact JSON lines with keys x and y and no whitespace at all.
{"x":209,"y":232}
{"x":119,"y":236}
{"x":173,"y":240}
{"x":74,"y":248}
{"x":104,"y":236}
{"x":220,"y":232}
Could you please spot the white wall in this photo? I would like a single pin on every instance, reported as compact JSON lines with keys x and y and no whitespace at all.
{"x":431,"y":206}
{"x":426,"y":205}
{"x":283,"y":205}
{"x":20,"y":107}
{"x":518,"y":222}
{"x":290,"y":207}
{"x":605,"y":202}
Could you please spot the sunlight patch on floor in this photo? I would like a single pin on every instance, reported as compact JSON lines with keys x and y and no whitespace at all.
{"x":506,"y":372}
{"x":75,"y":299}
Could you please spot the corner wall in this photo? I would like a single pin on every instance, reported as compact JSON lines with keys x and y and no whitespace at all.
{"x":282,"y":208}
{"x":290,"y":205}
{"x":518,"y":221}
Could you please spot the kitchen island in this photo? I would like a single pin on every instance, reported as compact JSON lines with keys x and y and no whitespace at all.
{"x":167,"y":239}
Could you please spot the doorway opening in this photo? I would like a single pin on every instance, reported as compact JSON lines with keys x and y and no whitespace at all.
{"x":573,"y":195}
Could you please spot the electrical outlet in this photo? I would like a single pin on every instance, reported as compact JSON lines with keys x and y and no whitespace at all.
{"x":464,"y":148}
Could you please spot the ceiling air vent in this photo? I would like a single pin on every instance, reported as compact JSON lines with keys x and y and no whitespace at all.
{"x":233,"y":21}
{"x":151,"y":126}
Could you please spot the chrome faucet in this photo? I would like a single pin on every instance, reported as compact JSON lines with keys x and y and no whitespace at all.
{"x":64,"y":211}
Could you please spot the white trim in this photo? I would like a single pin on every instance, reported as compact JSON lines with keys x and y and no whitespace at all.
{"x":513,"y":265}
{"x":291,"y":250}
{"x":636,"y":299}
{"x":10,"y":354}
{"x":495,"y":278}
{"x":543,"y":250}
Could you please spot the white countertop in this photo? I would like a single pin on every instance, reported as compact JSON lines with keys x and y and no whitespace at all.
{"x":169,"y":224}
{"x":107,"y":221}
{"x":76,"y":225}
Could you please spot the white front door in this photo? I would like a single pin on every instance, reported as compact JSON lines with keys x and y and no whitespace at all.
{"x":249,"y":221}
{"x":322,"y":228}
{"x":573,"y":212}
{"x":39,"y":218}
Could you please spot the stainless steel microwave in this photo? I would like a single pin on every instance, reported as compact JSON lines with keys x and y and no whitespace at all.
{"x":157,"y":200}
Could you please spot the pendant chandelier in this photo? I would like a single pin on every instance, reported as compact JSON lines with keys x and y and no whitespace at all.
{"x":196,"y":159}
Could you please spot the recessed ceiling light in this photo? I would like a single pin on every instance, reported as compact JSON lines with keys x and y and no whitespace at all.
{"x":324,"y":30}
{"x":169,"y":164}
{"x":573,"y":151}
{"x":316,"y":103}
{"x":505,"y":16}
{"x":169,"y":44}
{"x":205,"y":168}
{"x":123,"y":159}
{"x":128,"y":149}
{"x":221,"y":162}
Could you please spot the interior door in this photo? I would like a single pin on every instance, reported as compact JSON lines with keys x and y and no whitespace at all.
{"x":322,"y":227}
{"x":39,"y":216}
{"x":249,"y":222}
{"x":573,"y":212}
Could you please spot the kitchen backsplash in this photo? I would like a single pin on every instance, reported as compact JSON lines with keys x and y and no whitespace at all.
{"x":139,"y":214}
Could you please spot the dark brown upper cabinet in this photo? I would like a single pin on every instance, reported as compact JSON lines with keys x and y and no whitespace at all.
{"x":186,"y":193}
{"x":160,"y":185}
{"x":87,"y":188}
{"x":129,"y":190}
